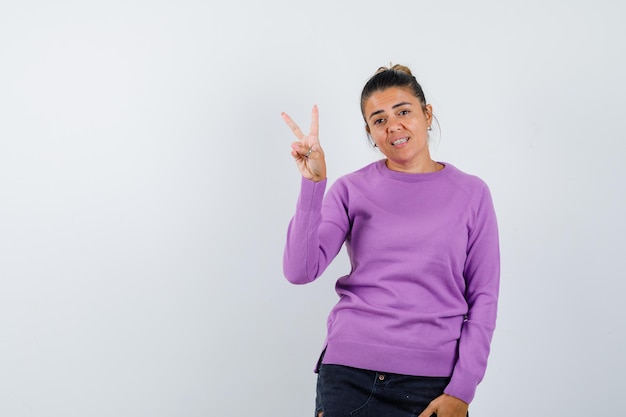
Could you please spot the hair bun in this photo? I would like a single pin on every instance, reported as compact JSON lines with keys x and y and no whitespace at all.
{"x":396,"y":67}
{"x":402,"y":68}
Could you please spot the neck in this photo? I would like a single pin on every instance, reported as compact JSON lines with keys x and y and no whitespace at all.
{"x":416,"y":168}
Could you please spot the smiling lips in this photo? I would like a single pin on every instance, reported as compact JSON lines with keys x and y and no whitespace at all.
{"x":399,"y":141}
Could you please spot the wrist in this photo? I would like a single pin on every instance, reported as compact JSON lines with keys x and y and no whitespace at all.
{"x":315,"y":179}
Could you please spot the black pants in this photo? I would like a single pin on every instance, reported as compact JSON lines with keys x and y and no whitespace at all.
{"x":343,"y":391}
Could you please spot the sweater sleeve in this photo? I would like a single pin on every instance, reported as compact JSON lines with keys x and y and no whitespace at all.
{"x":313,"y":238}
{"x":482,"y":277}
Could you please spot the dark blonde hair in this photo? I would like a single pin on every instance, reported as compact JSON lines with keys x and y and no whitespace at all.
{"x":395,"y":76}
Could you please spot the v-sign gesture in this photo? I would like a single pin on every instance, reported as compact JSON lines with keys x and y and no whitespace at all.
{"x":307,"y":151}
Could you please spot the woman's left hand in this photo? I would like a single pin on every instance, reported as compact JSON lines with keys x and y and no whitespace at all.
{"x":446,"y":406}
{"x":307,"y":151}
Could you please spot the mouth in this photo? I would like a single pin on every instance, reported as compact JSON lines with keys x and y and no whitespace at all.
{"x":399,"y":141}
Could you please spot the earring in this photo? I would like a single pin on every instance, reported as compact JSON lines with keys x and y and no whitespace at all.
{"x":430,"y":128}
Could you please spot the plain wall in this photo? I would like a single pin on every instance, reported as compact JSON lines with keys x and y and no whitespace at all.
{"x":146,"y":186}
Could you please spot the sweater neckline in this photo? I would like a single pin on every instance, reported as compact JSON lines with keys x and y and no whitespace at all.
{"x":409,"y":177}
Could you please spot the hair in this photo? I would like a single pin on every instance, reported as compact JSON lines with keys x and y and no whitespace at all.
{"x":396,"y":76}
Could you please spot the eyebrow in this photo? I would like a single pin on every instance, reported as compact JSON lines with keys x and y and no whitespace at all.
{"x":374,"y":113}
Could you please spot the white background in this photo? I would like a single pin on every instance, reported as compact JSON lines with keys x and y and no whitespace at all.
{"x":146,"y":186}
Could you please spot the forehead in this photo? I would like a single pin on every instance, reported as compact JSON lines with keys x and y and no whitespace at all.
{"x":386,"y":99}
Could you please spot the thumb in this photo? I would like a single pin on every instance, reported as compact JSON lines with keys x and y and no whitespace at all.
{"x":299,"y":148}
{"x":429,"y":411}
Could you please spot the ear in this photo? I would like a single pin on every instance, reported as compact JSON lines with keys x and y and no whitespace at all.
{"x":428,"y":111}
{"x":367,"y":129}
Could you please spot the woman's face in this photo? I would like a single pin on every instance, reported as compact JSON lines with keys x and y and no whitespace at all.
{"x":398,"y":126}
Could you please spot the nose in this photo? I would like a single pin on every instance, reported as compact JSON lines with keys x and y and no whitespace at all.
{"x":393,"y":124}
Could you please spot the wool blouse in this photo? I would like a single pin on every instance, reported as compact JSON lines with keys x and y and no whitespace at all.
{"x":421,"y":296}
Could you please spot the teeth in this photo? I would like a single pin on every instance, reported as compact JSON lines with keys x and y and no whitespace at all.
{"x":399,"y":141}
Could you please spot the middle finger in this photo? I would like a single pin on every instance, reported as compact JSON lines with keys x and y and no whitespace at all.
{"x":315,"y":121}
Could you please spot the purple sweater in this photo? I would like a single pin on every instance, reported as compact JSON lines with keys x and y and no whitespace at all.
{"x":421,"y":296}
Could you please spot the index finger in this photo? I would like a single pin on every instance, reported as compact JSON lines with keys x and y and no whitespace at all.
{"x":292,"y":125}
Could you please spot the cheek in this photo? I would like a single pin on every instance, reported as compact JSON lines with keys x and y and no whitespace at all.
{"x":377,"y":137}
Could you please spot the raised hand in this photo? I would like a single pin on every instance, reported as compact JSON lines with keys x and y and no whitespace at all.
{"x":307,"y":151}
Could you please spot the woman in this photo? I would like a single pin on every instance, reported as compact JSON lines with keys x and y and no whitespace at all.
{"x":411,"y":331}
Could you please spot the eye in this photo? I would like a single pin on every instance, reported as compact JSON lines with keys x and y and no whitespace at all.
{"x":378,"y":121}
{"x":404,"y":112}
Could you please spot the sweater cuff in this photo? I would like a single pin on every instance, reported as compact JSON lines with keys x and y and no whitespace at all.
{"x":311,"y":194}
{"x":462,"y":389}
